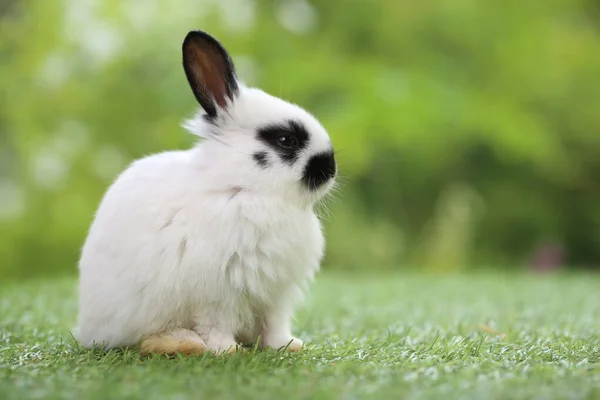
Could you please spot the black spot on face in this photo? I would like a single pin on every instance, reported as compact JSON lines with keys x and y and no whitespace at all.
{"x":287,"y":139}
{"x":261,"y":158}
{"x":319,"y":169}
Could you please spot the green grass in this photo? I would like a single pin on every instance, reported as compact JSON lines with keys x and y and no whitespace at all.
{"x":413,"y":337}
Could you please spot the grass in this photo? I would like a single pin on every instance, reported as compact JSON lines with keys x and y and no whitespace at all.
{"x":412,"y":337}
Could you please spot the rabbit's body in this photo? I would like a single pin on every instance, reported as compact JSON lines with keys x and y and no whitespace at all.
{"x":170,"y":255}
{"x":214,"y":245}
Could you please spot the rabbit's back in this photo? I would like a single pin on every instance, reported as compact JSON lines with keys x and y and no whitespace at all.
{"x":125,"y":249}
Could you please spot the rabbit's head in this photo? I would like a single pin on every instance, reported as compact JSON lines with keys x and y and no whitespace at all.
{"x":252,"y":140}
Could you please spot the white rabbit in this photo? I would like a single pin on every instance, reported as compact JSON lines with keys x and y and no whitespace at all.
{"x":213,"y":246}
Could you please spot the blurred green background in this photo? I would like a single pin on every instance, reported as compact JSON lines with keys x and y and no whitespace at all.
{"x":468,"y":130}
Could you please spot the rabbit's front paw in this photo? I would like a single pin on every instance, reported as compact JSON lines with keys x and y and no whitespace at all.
{"x":221,"y":344}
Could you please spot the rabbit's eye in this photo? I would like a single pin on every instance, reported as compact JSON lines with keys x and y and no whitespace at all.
{"x":287,"y":141}
{"x":287,"y":138}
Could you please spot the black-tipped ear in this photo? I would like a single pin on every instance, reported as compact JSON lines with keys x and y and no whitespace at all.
{"x":209,"y":70}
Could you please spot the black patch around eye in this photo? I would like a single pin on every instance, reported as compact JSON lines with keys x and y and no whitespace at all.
{"x":319,"y":169}
{"x":261,"y":158}
{"x":269,"y":134}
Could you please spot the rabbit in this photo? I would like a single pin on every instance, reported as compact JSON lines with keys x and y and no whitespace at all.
{"x":210,"y":248}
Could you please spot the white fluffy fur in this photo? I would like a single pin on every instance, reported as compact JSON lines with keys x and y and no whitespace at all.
{"x":205,"y":239}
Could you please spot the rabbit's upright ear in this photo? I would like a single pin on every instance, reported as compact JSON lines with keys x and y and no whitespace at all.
{"x":209,"y":70}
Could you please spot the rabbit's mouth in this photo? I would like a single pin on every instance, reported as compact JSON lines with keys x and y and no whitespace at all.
{"x":319,"y":170}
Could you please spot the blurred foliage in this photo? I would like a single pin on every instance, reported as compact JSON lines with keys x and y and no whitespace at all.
{"x":468,"y":131}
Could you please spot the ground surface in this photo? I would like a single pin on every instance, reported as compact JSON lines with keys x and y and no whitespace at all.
{"x":411,"y":337}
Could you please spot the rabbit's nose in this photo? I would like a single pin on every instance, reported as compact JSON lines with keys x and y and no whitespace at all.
{"x":319,"y":169}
